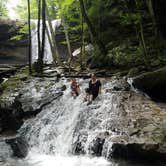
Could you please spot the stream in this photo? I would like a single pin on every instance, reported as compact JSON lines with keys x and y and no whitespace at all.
{"x":52,"y":134}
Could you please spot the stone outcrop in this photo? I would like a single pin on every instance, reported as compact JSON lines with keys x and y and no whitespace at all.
{"x":14,"y":146}
{"x":12,"y":51}
{"x":9,"y":121}
{"x":128,"y":125}
{"x":28,"y":99}
{"x":153,"y":84}
{"x":10,"y":28}
{"x":19,"y":146}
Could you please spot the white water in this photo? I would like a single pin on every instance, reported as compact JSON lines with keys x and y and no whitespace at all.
{"x":45,"y":160}
{"x":50,"y":134}
{"x":47,"y":50}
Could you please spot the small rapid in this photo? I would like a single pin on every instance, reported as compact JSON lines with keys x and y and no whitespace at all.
{"x":68,"y":132}
{"x":50,"y":133}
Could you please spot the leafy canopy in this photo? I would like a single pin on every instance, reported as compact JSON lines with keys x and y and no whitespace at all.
{"x":3,"y":8}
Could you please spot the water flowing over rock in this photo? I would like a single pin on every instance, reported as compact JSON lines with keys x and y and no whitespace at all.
{"x":28,"y":100}
{"x":123,"y":121}
{"x":47,"y":51}
{"x":119,"y":123}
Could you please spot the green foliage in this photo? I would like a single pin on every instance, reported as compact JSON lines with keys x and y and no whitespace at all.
{"x":115,"y":21}
{"x":22,"y":10}
{"x":101,"y":62}
{"x":14,"y":81}
{"x":96,"y":60}
{"x":22,"y":31}
{"x":64,"y":3}
{"x":52,"y":5}
{"x":126,"y":56}
{"x":3,"y":8}
{"x":129,"y":19}
{"x":16,"y":38}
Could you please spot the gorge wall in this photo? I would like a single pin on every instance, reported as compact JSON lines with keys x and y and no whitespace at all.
{"x":12,"y":51}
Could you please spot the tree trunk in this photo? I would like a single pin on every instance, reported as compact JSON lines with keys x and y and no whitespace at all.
{"x":38,"y":27}
{"x":55,"y":52}
{"x":99,"y":43}
{"x":67,"y":41}
{"x":51,"y":45}
{"x":142,"y":38}
{"x":156,"y":38}
{"x":66,"y":36}
{"x":29,"y":49}
{"x":143,"y":43}
{"x":82,"y":41}
{"x":41,"y":53}
{"x":43,"y":27}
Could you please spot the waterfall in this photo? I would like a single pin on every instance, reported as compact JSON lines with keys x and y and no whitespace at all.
{"x":68,"y":126}
{"x":47,"y":50}
{"x":50,"y":133}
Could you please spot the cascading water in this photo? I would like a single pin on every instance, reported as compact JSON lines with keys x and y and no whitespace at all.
{"x":68,"y":126}
{"x":47,"y":50}
{"x":50,"y":134}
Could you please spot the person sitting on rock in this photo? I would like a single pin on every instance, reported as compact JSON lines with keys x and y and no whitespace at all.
{"x":75,"y":88}
{"x":93,"y":90}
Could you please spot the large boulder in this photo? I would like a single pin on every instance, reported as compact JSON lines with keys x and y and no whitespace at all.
{"x":8,"y":121}
{"x":27,"y":99}
{"x":8,"y":28}
{"x":153,"y":84}
{"x":19,"y":146}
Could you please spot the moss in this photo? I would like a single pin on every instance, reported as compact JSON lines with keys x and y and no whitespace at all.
{"x":14,"y":81}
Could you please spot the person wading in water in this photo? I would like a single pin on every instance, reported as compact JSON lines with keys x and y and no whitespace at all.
{"x":75,"y":88}
{"x":93,"y":90}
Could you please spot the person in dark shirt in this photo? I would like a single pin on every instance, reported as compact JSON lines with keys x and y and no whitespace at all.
{"x":93,"y":90}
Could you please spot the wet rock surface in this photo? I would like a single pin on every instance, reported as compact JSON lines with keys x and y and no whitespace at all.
{"x":122,"y":124}
{"x":9,"y":121}
{"x":13,"y":146}
{"x":28,"y":100}
{"x":19,"y":146}
{"x":5,"y":151}
{"x":119,"y":123}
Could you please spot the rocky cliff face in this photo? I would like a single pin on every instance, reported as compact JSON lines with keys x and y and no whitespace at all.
{"x":12,"y":51}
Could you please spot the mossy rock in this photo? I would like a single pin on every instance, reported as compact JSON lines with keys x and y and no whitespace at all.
{"x":14,"y":81}
{"x":133,"y":72}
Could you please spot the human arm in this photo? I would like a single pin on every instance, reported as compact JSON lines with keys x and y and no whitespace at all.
{"x":99,"y":87}
{"x":78,"y":88}
{"x":100,"y":90}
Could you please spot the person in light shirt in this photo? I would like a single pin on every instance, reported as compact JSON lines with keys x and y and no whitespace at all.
{"x":75,"y":88}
